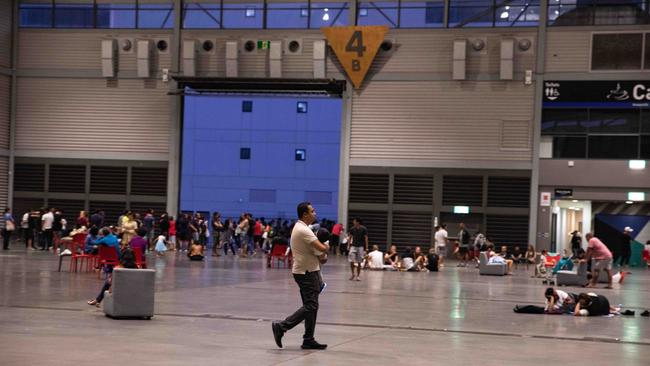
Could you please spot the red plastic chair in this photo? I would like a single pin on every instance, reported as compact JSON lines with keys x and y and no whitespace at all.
{"x":78,"y":255}
{"x":278,"y":255}
{"x":140,"y":259}
{"x":107,"y":257}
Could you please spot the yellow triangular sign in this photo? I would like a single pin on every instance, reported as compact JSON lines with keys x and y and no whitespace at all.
{"x":355,"y":47}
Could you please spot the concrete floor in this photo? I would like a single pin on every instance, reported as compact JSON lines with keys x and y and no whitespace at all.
{"x":218,"y":312}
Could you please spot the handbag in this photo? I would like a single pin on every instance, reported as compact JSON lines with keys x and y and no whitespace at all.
{"x":10,"y":226}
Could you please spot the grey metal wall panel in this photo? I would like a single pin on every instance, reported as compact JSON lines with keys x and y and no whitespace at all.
{"x":86,"y":115}
{"x":446,"y":120}
{"x":567,"y":50}
{"x":5,"y":104}
{"x":4,"y":181}
{"x":81,"y":50}
{"x":430,"y":52}
{"x":5,"y":33}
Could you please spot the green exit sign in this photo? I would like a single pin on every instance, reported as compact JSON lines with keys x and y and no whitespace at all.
{"x":263,"y":45}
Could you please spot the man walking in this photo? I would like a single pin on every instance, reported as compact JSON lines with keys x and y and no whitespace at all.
{"x":307,"y":253}
{"x":359,"y":247}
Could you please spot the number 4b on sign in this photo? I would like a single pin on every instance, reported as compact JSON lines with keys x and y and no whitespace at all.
{"x":355,"y":48}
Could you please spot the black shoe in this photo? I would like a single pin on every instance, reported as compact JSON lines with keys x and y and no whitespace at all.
{"x":628,"y":312}
{"x":312,"y":345}
{"x":277,"y":333}
{"x":645,"y":313}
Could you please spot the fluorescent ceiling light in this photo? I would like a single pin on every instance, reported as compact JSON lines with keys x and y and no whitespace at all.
{"x":636,"y":196}
{"x":636,"y":164}
{"x":461,"y":209}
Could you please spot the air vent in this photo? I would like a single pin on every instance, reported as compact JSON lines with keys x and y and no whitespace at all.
{"x":67,"y":178}
{"x":458,"y":190}
{"x":22,"y":205}
{"x":508,"y":230}
{"x":70,"y":209}
{"x":508,"y":192}
{"x":411,"y":229}
{"x":413,"y":189}
{"x":112,"y":209}
{"x":108,"y":180}
{"x":368,"y":188}
{"x":142,"y":207}
{"x":149,"y":181}
{"x":29,"y":177}
{"x":376,"y":222}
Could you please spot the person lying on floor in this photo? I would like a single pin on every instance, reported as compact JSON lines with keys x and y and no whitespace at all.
{"x":196,"y":251}
{"x":591,"y":304}
{"x":559,"y":302}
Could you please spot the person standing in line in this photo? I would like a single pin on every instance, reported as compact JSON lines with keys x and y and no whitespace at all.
{"x":8,"y":230}
{"x":172,"y":233}
{"x":602,"y":259}
{"x":441,"y":243}
{"x":148,"y":225}
{"x":308,"y":252}
{"x":47,"y":220}
{"x":24,"y":226}
{"x":335,"y":238}
{"x":626,"y":248}
{"x":217,"y":229}
{"x":576,"y":243}
{"x":463,"y":249}
{"x":357,"y":247}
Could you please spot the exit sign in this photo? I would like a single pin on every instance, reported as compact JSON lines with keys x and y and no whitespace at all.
{"x":263,"y":45}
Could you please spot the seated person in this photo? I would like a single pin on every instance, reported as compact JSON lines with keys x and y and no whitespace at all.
{"x":530,"y":256}
{"x":544,"y":260}
{"x":646,"y":253}
{"x":391,"y":258}
{"x":108,"y":239}
{"x":138,"y":241}
{"x":432,"y":260}
{"x":196,"y":251}
{"x":90,"y":246}
{"x":126,"y":261}
{"x":590,"y":304}
{"x":565,"y":263}
{"x":493,"y":258}
{"x":559,"y":302}
{"x":375,"y":259}
{"x":420,"y":259}
{"x":407,"y":260}
{"x":504,"y":252}
{"x":517,"y":255}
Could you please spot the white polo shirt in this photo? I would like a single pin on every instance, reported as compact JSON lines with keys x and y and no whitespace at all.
{"x":304,"y":255}
{"x":440,"y":236}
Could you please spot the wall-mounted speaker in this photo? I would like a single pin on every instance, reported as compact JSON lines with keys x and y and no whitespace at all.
{"x":126,"y":45}
{"x":207,"y":46}
{"x":292,"y":46}
{"x":162,"y":45}
{"x":249,"y":45}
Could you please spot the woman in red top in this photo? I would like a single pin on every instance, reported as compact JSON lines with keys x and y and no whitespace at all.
{"x":334,"y":238}
{"x":172,"y":232}
{"x":82,"y":220}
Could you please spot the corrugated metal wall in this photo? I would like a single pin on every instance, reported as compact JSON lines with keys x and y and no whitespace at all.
{"x":85,"y":114}
{"x":5,"y":33}
{"x":81,"y":50}
{"x":4,"y":180}
{"x":443,"y":120}
{"x":5,"y":101}
{"x":568,"y":50}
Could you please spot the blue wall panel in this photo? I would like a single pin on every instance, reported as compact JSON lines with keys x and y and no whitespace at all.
{"x":214,"y":178}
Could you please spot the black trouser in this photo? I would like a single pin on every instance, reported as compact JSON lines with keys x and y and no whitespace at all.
{"x":626,"y":253}
{"x":47,"y":233}
{"x":309,"y":284}
{"x":6,"y":236}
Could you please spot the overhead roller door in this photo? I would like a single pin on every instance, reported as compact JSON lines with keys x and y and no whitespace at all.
{"x":67,"y":178}
{"x":411,"y":229}
{"x":508,"y":192}
{"x":4,"y":181}
{"x":149,"y":181}
{"x":413,"y":189}
{"x":29,"y":177}
{"x":108,"y":179}
{"x":508,"y":230}
{"x":377,"y":224}
{"x":113,"y":210}
{"x":462,"y":190}
{"x":69,"y":208}
{"x":368,"y":188}
{"x":142,"y":207}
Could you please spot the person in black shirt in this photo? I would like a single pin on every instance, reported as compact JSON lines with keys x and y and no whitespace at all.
{"x":593,"y":305}
{"x":626,"y":247}
{"x":357,"y":247}
{"x":576,"y":243}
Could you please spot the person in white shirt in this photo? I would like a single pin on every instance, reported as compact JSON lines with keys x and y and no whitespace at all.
{"x":558,"y":301}
{"x":441,"y":243}
{"x":375,"y":259}
{"x":46,"y":226}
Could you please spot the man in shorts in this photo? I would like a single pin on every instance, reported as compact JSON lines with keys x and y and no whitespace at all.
{"x":357,"y":247}
{"x":441,"y":243}
{"x":602,"y":259}
{"x":463,"y":249}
